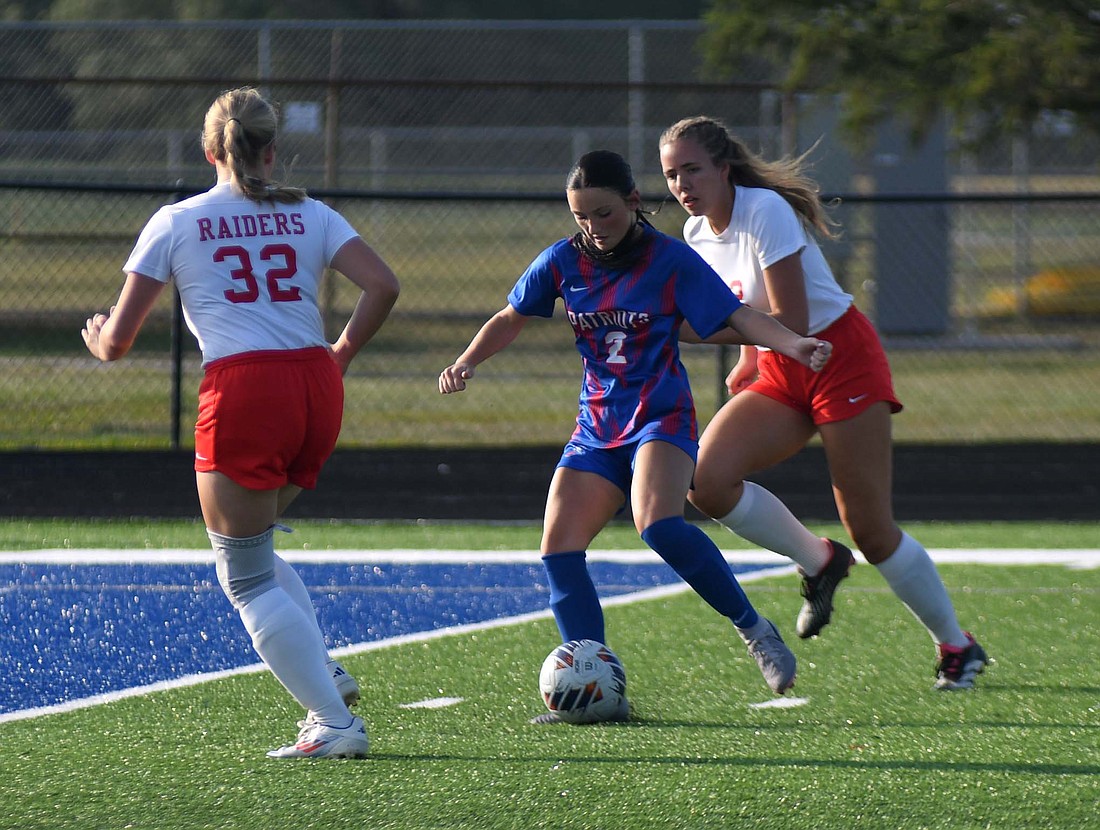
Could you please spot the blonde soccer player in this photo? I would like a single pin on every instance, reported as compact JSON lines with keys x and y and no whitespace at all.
{"x":247,"y":257}
{"x":754,"y":221}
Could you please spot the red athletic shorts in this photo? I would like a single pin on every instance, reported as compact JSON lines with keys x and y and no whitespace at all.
{"x":856,"y":376}
{"x":269,"y":418}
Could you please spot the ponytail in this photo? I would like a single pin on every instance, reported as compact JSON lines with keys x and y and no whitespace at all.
{"x":239,"y":127}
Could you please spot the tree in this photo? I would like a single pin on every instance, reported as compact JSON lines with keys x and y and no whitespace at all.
{"x":227,"y":9}
{"x":994,"y":66}
{"x":348,"y":9}
{"x":14,"y":10}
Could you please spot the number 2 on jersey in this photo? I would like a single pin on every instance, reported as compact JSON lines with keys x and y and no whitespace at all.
{"x":615,"y":341}
{"x":244,"y":273}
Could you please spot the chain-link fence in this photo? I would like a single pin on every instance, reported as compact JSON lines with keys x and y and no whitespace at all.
{"x":446,"y":144}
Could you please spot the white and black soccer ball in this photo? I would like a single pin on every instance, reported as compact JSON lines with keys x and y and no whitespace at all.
{"x":583,"y":681}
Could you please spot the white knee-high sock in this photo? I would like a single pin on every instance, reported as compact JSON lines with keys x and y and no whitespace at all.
{"x":283,"y":638}
{"x":759,"y":517}
{"x":912,"y":575}
{"x":291,"y":582}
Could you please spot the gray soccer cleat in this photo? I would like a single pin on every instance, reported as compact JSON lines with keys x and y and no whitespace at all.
{"x":622,"y":714}
{"x":775,"y":660}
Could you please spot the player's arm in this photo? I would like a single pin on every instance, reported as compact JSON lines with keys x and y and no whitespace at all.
{"x":357,"y":261}
{"x":787,"y":296}
{"x":499,"y":330}
{"x":764,"y":330}
{"x":722,"y":337}
{"x":109,"y":336}
{"x":786,"y":287}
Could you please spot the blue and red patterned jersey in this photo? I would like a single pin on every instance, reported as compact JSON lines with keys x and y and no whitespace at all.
{"x":627,"y":324}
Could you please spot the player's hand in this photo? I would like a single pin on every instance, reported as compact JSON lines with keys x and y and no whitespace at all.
{"x":454,"y":377}
{"x":818,"y":352}
{"x":340,"y":357}
{"x":740,"y":378}
{"x":92,"y":327}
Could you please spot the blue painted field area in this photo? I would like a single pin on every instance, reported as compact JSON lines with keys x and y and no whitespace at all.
{"x":76,"y":630}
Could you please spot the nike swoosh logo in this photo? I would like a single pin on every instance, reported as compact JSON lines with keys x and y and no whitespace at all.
{"x":576,"y":288}
{"x":857,"y":398}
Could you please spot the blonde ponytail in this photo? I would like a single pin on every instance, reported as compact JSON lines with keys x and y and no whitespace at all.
{"x":239,"y":126}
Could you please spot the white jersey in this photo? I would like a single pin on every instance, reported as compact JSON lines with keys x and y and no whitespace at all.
{"x":764,"y":229}
{"x":247,"y":272}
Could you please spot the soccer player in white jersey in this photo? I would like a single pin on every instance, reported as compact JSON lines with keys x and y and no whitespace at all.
{"x":753,"y":221}
{"x":247,"y":257}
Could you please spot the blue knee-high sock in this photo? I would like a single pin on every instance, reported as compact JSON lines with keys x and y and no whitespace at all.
{"x":573,"y":597}
{"x":697,"y":560}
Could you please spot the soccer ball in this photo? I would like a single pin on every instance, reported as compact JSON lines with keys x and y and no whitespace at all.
{"x":582,"y":681}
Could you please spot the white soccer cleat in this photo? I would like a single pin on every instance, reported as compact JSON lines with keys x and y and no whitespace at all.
{"x":316,"y":740}
{"x":346,"y":685}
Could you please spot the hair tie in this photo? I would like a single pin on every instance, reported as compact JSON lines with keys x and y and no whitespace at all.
{"x":232,"y":119}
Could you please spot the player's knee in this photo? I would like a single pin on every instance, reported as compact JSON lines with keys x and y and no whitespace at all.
{"x":241,"y":590}
{"x":709,"y":499}
{"x":875,"y":543}
{"x":245,"y":567}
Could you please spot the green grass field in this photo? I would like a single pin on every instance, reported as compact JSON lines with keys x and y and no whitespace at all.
{"x":310,"y":534}
{"x":872,"y":745}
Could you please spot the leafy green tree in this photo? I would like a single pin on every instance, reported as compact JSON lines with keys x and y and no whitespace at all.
{"x":236,"y":9}
{"x":994,"y":66}
{"x":15,"y":10}
{"x":358,"y":9}
{"x":24,"y":56}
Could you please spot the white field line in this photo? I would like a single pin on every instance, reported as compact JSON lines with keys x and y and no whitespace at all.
{"x":779,"y":566}
{"x":432,"y":703}
{"x":781,"y":703}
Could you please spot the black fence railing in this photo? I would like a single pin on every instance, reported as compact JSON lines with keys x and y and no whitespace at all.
{"x":988,"y":302}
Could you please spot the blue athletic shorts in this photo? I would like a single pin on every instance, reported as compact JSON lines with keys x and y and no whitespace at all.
{"x":616,"y":464}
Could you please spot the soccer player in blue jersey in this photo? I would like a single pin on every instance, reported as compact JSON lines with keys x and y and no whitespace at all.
{"x":627,"y":289}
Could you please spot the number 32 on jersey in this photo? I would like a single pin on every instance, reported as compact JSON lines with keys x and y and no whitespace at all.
{"x":279,"y":263}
